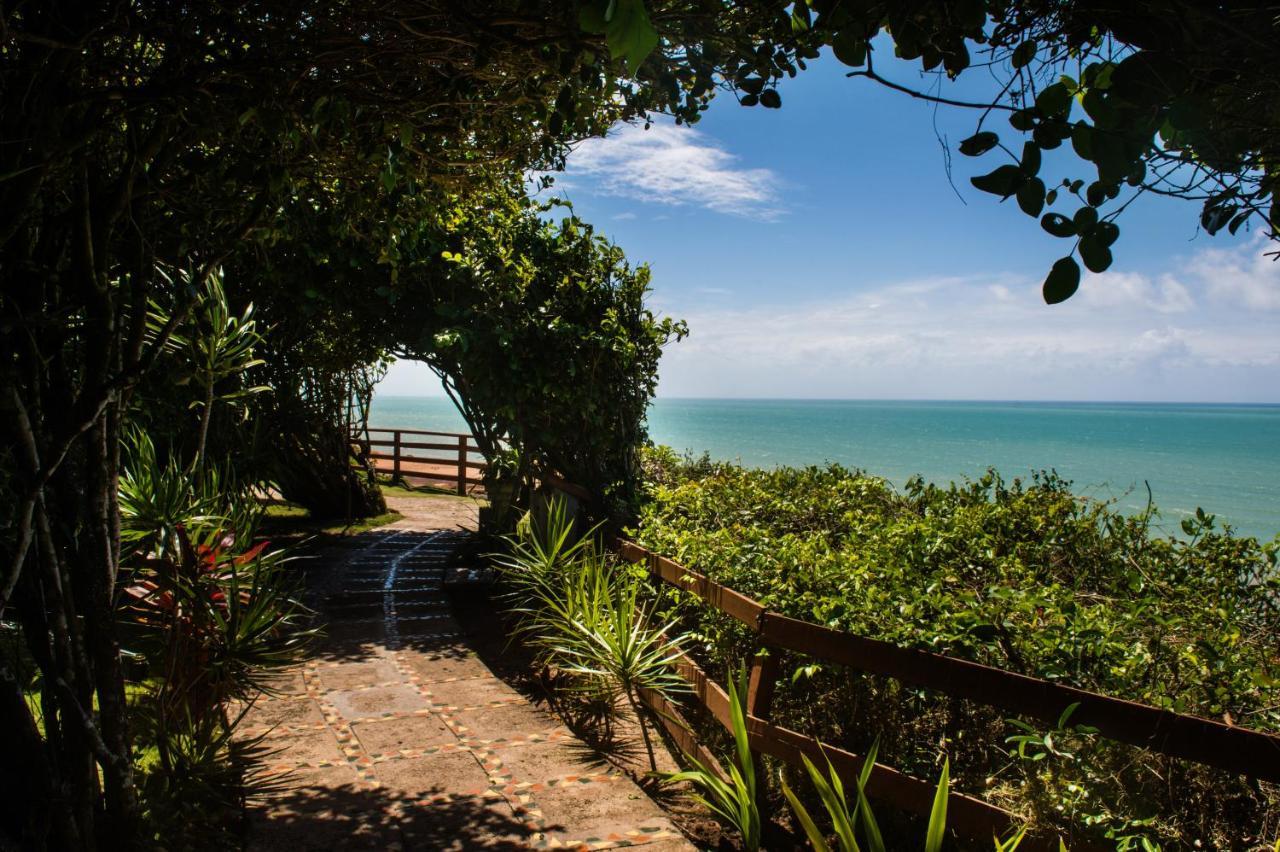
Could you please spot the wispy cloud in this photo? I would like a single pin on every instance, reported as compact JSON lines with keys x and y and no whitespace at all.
{"x":623,"y":217}
{"x":1205,"y":333}
{"x":676,"y":166}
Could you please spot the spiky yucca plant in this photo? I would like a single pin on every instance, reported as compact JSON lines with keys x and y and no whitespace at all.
{"x":586,"y":615}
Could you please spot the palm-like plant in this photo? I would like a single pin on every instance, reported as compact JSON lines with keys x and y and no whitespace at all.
{"x":215,"y":345}
{"x":214,"y":623}
{"x":157,"y":497}
{"x":209,"y":613}
{"x":543,"y":552}
{"x":586,"y":615}
{"x":733,"y":799}
{"x":598,"y":630}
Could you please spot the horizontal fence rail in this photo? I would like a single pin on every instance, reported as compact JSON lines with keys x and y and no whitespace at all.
{"x":1238,"y":750}
{"x":457,"y":462}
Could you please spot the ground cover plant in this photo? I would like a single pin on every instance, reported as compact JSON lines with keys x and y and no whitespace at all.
{"x":1021,"y":575}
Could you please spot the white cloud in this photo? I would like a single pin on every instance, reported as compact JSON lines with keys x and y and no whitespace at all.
{"x":676,"y":166}
{"x":1124,"y":336}
{"x":1246,"y":278}
{"x":1163,"y":294}
{"x":621,"y":217}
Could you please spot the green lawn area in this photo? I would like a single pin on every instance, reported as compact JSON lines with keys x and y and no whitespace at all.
{"x":391,"y":490}
{"x":284,"y":521}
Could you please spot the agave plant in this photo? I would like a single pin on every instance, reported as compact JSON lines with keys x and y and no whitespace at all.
{"x":733,"y":799}
{"x":194,"y":771}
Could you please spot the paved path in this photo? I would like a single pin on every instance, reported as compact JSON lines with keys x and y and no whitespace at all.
{"x":397,"y":735}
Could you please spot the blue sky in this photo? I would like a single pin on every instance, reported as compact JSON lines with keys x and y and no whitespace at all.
{"x":819,"y":251}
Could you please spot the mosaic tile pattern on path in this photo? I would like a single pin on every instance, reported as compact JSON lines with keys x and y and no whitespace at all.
{"x":396,"y":735}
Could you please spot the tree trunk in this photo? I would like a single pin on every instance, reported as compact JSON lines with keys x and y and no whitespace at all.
{"x":316,"y":470}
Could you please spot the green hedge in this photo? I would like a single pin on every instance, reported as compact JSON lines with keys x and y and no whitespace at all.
{"x":1023,"y":575}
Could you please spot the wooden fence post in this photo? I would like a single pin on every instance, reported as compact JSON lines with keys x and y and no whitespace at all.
{"x":395,"y":459}
{"x":760,"y":686}
{"x":462,"y":465}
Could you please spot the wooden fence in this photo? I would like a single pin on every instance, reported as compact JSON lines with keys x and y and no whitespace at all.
{"x":390,"y":451}
{"x":1237,"y":750}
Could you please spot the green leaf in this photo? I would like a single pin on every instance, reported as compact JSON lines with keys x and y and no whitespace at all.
{"x":1082,"y":140}
{"x":1138,"y":175}
{"x":1096,"y":193}
{"x":1030,"y":159}
{"x":1085,"y":218}
{"x":770,"y":99}
{"x":850,"y":47}
{"x":1031,"y":196}
{"x":1049,"y":134}
{"x":979,"y":143}
{"x":869,"y":825}
{"x":800,"y":20}
{"x":811,"y":830}
{"x":1095,"y":255}
{"x":1023,"y":119}
{"x":1055,"y":100}
{"x":629,"y":33}
{"x":1106,"y":233}
{"x":1216,"y":215}
{"x":1023,"y":54}
{"x":1058,"y":225}
{"x":1063,"y":281}
{"x":1004,"y":181}
{"x":938,"y":814}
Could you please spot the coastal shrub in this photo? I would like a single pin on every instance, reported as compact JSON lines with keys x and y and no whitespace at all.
{"x":1024,"y":575}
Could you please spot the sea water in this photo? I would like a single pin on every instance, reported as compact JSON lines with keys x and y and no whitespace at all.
{"x":1222,"y":458}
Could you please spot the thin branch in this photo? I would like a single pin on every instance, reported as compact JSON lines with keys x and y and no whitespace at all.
{"x":105,"y":755}
{"x":937,"y":99}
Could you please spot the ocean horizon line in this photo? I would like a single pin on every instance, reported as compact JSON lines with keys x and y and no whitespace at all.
{"x":1212,"y":404}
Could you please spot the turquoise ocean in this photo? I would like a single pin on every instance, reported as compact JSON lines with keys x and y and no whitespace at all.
{"x":1222,"y":458}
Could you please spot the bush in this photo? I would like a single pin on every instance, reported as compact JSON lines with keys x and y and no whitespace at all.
{"x":1023,"y":575}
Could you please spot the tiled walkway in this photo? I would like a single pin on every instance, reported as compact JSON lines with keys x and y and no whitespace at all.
{"x":396,"y":735}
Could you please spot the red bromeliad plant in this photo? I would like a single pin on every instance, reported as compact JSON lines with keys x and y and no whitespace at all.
{"x":212,"y":623}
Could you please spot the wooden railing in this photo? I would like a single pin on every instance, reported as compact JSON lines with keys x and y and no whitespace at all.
{"x":391,"y":451}
{"x":1237,"y":750}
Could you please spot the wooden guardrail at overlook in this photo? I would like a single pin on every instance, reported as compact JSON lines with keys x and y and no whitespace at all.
{"x":456,"y":456}
{"x":1237,"y":750}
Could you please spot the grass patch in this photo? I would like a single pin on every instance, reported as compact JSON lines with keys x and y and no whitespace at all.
{"x":390,"y":489}
{"x":285,"y":522}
